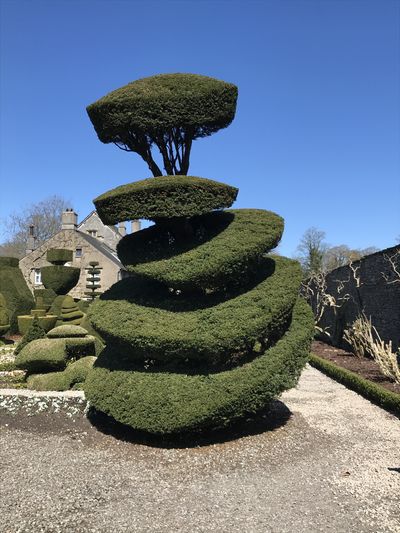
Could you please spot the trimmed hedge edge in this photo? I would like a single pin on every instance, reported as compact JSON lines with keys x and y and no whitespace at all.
{"x":371,"y":391}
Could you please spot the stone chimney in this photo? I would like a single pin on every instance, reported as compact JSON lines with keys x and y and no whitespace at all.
{"x":31,"y":242}
{"x":69,"y":219}
{"x":135,"y":226}
{"x":122,"y":229}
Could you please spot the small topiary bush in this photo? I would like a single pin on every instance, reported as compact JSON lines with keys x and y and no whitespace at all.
{"x":42,"y":355}
{"x":67,"y":330}
{"x":35,"y":331}
{"x":70,"y":312}
{"x":47,"y":322}
{"x":60,"y":381}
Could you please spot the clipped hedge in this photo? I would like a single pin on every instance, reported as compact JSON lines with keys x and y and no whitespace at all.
{"x":200,"y":104}
{"x":16,"y":293}
{"x":59,"y":256}
{"x":371,"y":391}
{"x":226,"y":248}
{"x":46,"y":322}
{"x":163,"y":197}
{"x":61,"y":279}
{"x":42,"y":355}
{"x":9,"y":262}
{"x":68,"y":330}
{"x":80,"y":347}
{"x":4,"y":316}
{"x":167,"y":403}
{"x":166,"y":327}
{"x":60,"y":381}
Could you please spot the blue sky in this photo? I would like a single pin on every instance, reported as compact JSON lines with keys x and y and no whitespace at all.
{"x":317,"y":132}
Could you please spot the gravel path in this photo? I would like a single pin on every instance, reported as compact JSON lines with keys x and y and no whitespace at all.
{"x":332,"y":466}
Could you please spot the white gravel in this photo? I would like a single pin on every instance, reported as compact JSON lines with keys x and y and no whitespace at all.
{"x":334,"y":466}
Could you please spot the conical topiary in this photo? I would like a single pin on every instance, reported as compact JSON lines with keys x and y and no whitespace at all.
{"x":70,"y":312}
{"x":4,"y":316}
{"x":34,"y":332}
{"x":208,"y":329}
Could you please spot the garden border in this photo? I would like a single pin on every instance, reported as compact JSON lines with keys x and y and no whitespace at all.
{"x":371,"y":391}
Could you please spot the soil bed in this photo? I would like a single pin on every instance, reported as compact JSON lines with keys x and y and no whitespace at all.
{"x":366,"y":368}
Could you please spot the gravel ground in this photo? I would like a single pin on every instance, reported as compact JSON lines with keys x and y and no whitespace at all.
{"x":331,"y":463}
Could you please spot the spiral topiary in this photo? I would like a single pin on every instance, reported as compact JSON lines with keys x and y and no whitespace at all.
{"x":208,"y":328}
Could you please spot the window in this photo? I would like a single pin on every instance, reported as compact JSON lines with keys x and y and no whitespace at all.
{"x":38,"y":277}
{"x":92,"y":232}
{"x":78,"y":252}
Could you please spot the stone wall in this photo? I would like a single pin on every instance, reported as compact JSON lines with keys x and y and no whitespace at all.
{"x":372,"y":286}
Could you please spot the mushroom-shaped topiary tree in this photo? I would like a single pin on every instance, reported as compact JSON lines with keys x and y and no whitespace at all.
{"x":169,"y":111}
{"x":208,"y":328}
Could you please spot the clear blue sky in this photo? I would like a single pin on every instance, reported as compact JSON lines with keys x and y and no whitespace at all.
{"x":317,"y":132}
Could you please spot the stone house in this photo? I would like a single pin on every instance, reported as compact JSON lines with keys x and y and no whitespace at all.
{"x":90,"y":240}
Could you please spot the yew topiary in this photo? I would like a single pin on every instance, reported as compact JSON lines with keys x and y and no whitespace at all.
{"x":13,"y":286}
{"x":169,"y":111}
{"x":34,"y":331}
{"x":4,"y":316}
{"x":209,"y":328}
{"x":70,"y":312}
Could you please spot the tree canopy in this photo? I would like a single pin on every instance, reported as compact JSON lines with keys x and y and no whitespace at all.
{"x":44,"y":215}
{"x":168,"y":111}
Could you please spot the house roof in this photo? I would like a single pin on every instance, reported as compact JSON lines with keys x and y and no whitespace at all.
{"x":94,"y":212}
{"x":101,"y":247}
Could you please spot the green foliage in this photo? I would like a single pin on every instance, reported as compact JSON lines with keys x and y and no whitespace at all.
{"x":375,"y":393}
{"x":61,"y":279}
{"x":59,"y":256}
{"x":9,"y":262}
{"x":80,"y":347}
{"x":168,"y":327}
{"x":165,"y":196}
{"x":25,"y":321}
{"x":34,"y":331}
{"x":68,"y":330}
{"x":4,"y":316}
{"x":168,"y":111}
{"x":46,"y":296}
{"x":166,"y":403}
{"x":60,"y":381}
{"x":226,"y":249}
{"x":42,"y":355}
{"x":16,"y":293}
{"x":70,"y":312}
{"x":93,"y":280}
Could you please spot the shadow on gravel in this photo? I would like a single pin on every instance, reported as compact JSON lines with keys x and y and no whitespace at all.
{"x":276,"y":416}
